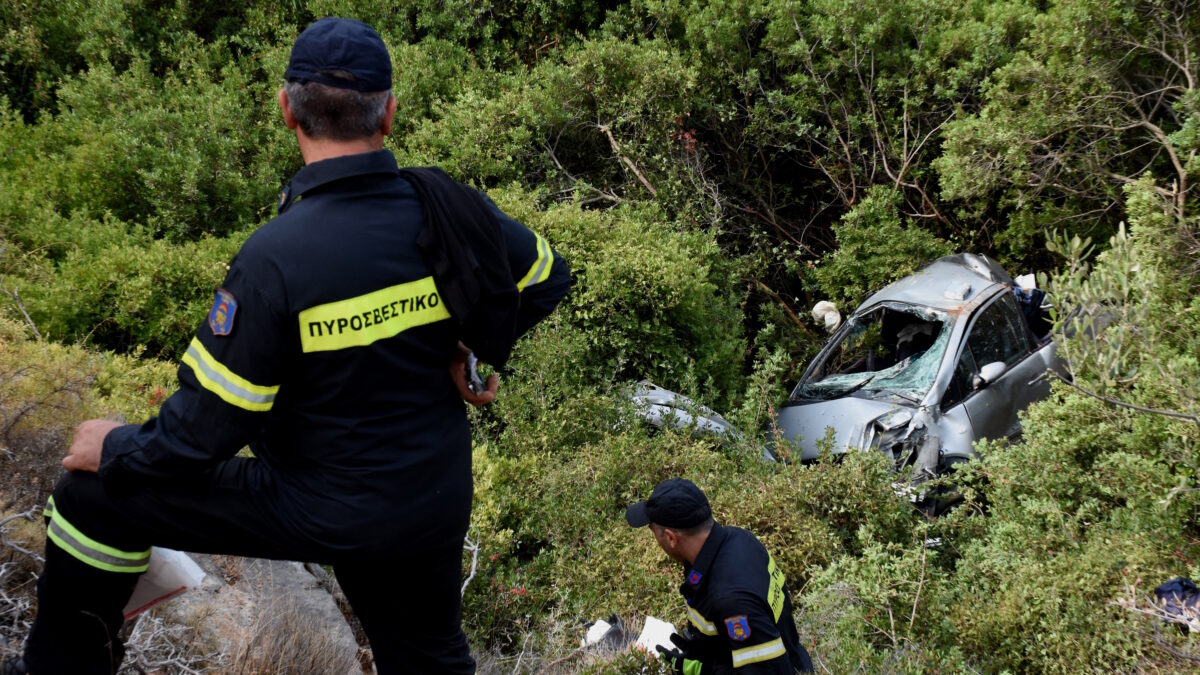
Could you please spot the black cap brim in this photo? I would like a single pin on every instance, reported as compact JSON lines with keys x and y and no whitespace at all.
{"x":636,"y":515}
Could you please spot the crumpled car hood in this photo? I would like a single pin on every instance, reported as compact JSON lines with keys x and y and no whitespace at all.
{"x":805,"y":424}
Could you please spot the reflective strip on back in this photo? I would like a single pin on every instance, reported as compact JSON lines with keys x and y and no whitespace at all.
{"x":381,"y":314}
{"x":90,"y":551}
{"x":226,"y":384}
{"x":758,"y":653}
{"x":775,"y":588}
{"x":539,"y":271}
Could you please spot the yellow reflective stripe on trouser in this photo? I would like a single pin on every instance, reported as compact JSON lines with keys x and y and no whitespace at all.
{"x":355,"y":322}
{"x":223,"y":382}
{"x":702,"y":624}
{"x":775,"y":589}
{"x":539,"y":271}
{"x":90,"y":551}
{"x":757,"y":653}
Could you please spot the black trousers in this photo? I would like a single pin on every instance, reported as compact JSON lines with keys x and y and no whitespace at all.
{"x":409,"y":602}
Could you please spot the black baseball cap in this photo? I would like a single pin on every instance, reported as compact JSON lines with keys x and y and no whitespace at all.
{"x":341,"y":53}
{"x":675,"y":503}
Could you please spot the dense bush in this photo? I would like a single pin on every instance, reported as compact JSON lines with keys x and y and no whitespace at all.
{"x":875,"y":249}
{"x":140,"y":294}
{"x":649,"y":300}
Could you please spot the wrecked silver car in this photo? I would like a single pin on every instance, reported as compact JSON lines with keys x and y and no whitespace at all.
{"x":922,"y":369}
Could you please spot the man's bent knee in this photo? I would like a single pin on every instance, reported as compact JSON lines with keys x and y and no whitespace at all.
{"x":82,"y":520}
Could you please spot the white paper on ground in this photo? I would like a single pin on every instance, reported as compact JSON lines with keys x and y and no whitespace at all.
{"x":656,"y":632}
{"x":169,"y":574}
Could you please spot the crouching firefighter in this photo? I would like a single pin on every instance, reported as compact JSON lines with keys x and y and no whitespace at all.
{"x":738,"y":609}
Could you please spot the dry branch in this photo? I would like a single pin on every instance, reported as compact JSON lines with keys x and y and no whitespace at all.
{"x":628,"y":162}
{"x":15,"y":294}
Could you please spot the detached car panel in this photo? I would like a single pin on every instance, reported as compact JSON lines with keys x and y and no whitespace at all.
{"x":924,"y":368}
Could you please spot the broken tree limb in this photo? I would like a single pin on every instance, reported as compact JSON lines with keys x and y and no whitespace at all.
{"x":473,"y":547}
{"x":787,"y":310}
{"x":628,"y":162}
{"x":16,"y":296}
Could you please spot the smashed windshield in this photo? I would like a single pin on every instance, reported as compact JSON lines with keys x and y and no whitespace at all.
{"x":893,"y":349}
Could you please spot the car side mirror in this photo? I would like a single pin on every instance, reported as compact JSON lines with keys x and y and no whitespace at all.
{"x":989,"y":374}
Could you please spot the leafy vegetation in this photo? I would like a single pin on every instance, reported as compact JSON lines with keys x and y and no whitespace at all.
{"x":710,"y":169}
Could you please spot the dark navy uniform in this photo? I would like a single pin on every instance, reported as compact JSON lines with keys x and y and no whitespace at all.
{"x":738,"y":610}
{"x":327,"y":352}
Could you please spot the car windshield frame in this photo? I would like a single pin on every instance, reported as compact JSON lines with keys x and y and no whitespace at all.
{"x":883,"y":333}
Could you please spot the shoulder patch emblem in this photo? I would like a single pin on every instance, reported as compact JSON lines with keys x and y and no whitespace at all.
{"x":283,"y":196}
{"x":220,"y":317}
{"x":738,"y":627}
{"x":694,"y":577}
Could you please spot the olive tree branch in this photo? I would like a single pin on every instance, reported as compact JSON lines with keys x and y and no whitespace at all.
{"x":1124,"y":404}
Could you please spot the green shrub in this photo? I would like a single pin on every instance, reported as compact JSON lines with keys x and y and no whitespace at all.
{"x":136,"y":295}
{"x":648,"y":300}
{"x":500,"y":33}
{"x":881,"y":610}
{"x":202,"y":152}
{"x":551,"y":126}
{"x":875,"y":248}
{"x":427,"y":76}
{"x":48,"y":388}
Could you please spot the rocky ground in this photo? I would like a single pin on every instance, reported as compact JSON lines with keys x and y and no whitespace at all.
{"x":247,"y":616}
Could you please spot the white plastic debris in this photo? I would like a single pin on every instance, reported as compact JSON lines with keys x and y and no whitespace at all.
{"x":596,"y":633}
{"x":656,"y":632}
{"x":1027,"y":281}
{"x":607,"y":636}
{"x":825,"y":312}
{"x":169,"y":574}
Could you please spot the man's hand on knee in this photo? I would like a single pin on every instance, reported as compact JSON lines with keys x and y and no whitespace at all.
{"x":84,"y":454}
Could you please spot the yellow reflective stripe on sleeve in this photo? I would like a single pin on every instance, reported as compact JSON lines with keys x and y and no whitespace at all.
{"x":90,"y":551}
{"x":775,"y":589}
{"x":381,"y":314}
{"x":539,"y":271}
{"x":702,"y":624}
{"x":692,"y":667}
{"x":223,"y":382}
{"x":758,"y":653}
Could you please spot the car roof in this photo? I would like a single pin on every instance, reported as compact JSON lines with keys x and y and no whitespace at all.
{"x":948,"y":283}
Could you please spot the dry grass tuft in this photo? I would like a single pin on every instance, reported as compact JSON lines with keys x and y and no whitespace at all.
{"x":284,"y":641}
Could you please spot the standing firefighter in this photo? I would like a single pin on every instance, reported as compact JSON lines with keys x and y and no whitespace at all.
{"x":326,"y":350}
{"x":738,"y":608}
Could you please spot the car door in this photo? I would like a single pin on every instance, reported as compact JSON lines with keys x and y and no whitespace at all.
{"x":997,"y":334}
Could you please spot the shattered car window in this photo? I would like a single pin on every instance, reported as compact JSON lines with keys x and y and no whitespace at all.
{"x":998,"y":334}
{"x":895,"y":349}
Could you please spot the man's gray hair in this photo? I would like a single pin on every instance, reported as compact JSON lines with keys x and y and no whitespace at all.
{"x":325,"y":112}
